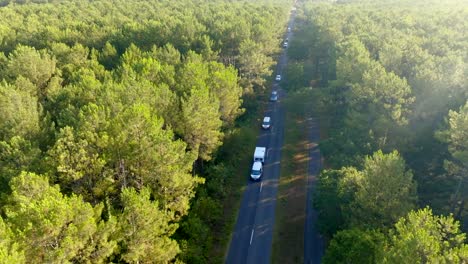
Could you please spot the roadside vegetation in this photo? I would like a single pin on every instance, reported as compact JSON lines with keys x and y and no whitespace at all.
{"x":302,"y":102}
{"x":288,"y":240}
{"x":126,"y":127}
{"x":393,"y":87}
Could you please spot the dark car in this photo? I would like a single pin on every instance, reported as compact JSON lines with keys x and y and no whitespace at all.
{"x":274,"y":96}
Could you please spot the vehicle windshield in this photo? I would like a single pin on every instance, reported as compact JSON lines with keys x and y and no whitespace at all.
{"x":256,"y":172}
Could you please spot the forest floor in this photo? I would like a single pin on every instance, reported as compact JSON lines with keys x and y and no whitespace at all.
{"x":288,"y":238}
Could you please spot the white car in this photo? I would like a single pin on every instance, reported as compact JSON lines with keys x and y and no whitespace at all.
{"x":278,"y":77}
{"x":285,"y":44}
{"x":266,"y":122}
{"x":289,"y":29}
{"x":257,"y":169}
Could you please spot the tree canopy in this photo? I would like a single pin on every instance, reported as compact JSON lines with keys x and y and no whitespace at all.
{"x":389,"y":76}
{"x":108,"y":111}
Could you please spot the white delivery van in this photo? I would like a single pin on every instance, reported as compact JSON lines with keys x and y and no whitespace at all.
{"x":260,"y":154}
{"x":257,"y":170}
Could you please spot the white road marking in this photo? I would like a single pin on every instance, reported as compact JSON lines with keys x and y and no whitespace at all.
{"x":261,"y":185}
{"x":251,"y":236}
{"x":268,"y":152}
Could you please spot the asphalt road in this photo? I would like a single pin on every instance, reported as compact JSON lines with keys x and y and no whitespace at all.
{"x":313,"y":242}
{"x":253,"y":233}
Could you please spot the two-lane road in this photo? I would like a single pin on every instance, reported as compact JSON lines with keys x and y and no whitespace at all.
{"x":313,"y":241}
{"x":253,"y":234}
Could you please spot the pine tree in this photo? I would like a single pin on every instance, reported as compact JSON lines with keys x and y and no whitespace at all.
{"x":50,"y":227}
{"x":385,"y":191}
{"x":145,"y":229}
{"x":422,"y":237}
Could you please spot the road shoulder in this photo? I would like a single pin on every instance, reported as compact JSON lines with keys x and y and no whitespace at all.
{"x":288,"y":237}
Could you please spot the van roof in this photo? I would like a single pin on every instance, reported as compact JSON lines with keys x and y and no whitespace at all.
{"x":260,"y":149}
{"x":257,"y":165}
{"x":266,"y":119}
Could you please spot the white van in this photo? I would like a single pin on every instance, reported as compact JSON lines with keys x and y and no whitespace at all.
{"x":257,"y":170}
{"x":259,"y":154}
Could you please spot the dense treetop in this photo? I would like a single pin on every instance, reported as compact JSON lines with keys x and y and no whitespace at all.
{"x":108,"y":110}
{"x":390,"y":78}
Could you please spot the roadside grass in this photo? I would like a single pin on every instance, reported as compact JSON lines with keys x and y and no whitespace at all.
{"x":288,"y":236}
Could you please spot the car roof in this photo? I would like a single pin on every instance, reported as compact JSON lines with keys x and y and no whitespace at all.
{"x":274,"y":92}
{"x":257,"y":165}
{"x":266,"y":119}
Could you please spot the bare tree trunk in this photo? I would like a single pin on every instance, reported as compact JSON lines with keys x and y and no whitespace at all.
{"x":122,"y":173}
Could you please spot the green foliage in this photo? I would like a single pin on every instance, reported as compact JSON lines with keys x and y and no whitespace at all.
{"x":224,"y":84}
{"x":9,"y":251}
{"x":254,"y":64}
{"x":147,"y":155}
{"x":119,"y":103}
{"x":328,"y":201}
{"x":36,"y":66}
{"x":385,"y":191}
{"x":16,"y":155}
{"x":50,"y":227}
{"x":200,"y":121}
{"x":79,"y":166}
{"x":456,"y":136}
{"x":398,"y":72}
{"x":398,"y":68}
{"x":384,"y":90}
{"x":108,"y":56}
{"x":353,"y":60}
{"x":422,"y":237}
{"x":206,"y":213}
{"x":374,"y":197}
{"x":296,"y":78}
{"x":19,"y":113}
{"x":355,"y":246}
{"x":69,"y":58}
{"x":145,"y":229}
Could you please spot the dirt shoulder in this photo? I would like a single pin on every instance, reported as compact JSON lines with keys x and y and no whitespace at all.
{"x":288,"y":237}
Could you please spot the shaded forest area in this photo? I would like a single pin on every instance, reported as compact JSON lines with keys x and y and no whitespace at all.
{"x":112,"y":116}
{"x":391,"y":83}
